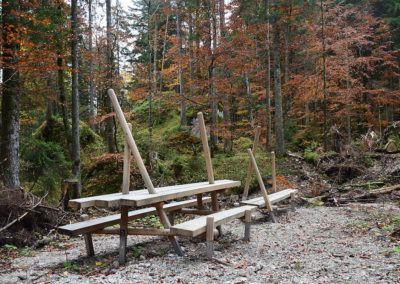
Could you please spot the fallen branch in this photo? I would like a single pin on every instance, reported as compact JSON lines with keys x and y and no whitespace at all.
{"x":384,"y":190}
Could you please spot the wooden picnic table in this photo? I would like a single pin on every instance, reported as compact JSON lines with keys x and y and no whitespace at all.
{"x":149,"y":198}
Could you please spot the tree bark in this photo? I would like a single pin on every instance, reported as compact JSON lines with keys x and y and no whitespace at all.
{"x":75,"y":149}
{"x":268,"y":83}
{"x":92,"y":94}
{"x":10,"y":99}
{"x":183,"y":120}
{"x":110,"y":74}
{"x":325,"y":99}
{"x":280,"y":143}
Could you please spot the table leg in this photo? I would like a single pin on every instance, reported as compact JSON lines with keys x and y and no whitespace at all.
{"x":123,"y":234}
{"x":89,"y":244}
{"x":165,"y":221}
{"x":200,"y":205}
{"x":215,"y":208}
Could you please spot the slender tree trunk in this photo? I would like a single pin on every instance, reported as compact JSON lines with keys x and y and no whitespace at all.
{"x":164,"y":51}
{"x":75,"y":149}
{"x":213,"y":47}
{"x":110,"y":127}
{"x":268,"y":83}
{"x":183,"y":120}
{"x":280,"y":143}
{"x":226,"y":109}
{"x":92,"y":94}
{"x":250,"y":99}
{"x":10,"y":99}
{"x":325,"y":98}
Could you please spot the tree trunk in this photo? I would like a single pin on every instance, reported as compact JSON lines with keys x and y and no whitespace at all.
{"x":183,"y":120}
{"x":211,"y":74}
{"x":268,"y":84}
{"x":226,"y":110}
{"x":75,"y":149}
{"x":325,"y":99}
{"x":10,"y":99}
{"x":110,"y":74}
{"x":280,"y":146}
{"x":92,"y":94}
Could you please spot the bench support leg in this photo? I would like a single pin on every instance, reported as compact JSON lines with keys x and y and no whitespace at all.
{"x":215,"y":208}
{"x":123,"y":234}
{"x":171,"y":217}
{"x":200,"y":205}
{"x":89,"y":244}
{"x":165,"y":221}
{"x":272,"y":216}
{"x":292,"y":206}
{"x":210,"y":237}
{"x":247,"y":224}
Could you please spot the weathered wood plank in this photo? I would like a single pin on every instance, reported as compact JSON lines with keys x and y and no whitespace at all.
{"x":144,"y":200}
{"x":113,"y":199}
{"x":197,"y":226}
{"x":103,"y":222}
{"x":273,"y":198}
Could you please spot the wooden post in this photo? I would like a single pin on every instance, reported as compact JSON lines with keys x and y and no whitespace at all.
{"x":123,"y":234}
{"x":127,"y":166}
{"x":200,"y":205}
{"x":250,"y":167}
{"x":273,"y":171}
{"x":247,"y":224}
{"x":292,"y":196}
{"x":210,"y":237}
{"x":89,"y":244}
{"x":131,"y":142}
{"x":166,"y":223}
{"x":260,"y":181}
{"x":206,"y":149}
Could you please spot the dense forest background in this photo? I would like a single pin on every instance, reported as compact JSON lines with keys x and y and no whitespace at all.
{"x":315,"y":75}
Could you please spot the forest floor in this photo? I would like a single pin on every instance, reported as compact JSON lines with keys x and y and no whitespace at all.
{"x":346,"y":244}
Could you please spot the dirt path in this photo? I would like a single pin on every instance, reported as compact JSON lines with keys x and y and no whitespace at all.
{"x":312,"y":245}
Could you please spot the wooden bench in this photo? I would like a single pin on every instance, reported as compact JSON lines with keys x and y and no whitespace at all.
{"x":93,"y":226}
{"x":208,"y":224}
{"x":266,"y":200}
{"x":273,"y":198}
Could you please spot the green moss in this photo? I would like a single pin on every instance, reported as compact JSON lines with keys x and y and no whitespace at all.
{"x":242,"y":144}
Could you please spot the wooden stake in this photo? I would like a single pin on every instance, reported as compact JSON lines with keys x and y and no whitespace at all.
{"x":127,"y":166}
{"x":123,"y":234}
{"x":273,"y":171}
{"x":131,"y":142}
{"x":247,"y":224}
{"x":200,"y":205}
{"x":206,"y":149}
{"x":210,"y":236}
{"x":260,"y":181}
{"x":89,"y":244}
{"x":250,"y":167}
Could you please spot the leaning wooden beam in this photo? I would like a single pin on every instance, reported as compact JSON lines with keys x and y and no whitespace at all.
{"x":250,"y":166}
{"x":127,"y":166}
{"x":260,"y":180}
{"x":131,"y":141}
{"x":165,"y":221}
{"x":273,"y":171}
{"x":206,"y":149}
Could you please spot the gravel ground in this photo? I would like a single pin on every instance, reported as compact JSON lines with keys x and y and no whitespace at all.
{"x":311,"y":245}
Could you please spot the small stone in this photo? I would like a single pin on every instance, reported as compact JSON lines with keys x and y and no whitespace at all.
{"x":142,"y":257}
{"x":115,"y":264}
{"x":240,"y":280}
{"x":22,"y":277}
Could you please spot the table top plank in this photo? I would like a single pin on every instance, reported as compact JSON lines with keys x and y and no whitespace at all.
{"x":143,"y":198}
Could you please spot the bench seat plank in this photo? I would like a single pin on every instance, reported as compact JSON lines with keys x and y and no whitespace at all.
{"x":274,"y":198}
{"x":143,"y":198}
{"x":103,"y":222}
{"x":198,"y":226}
